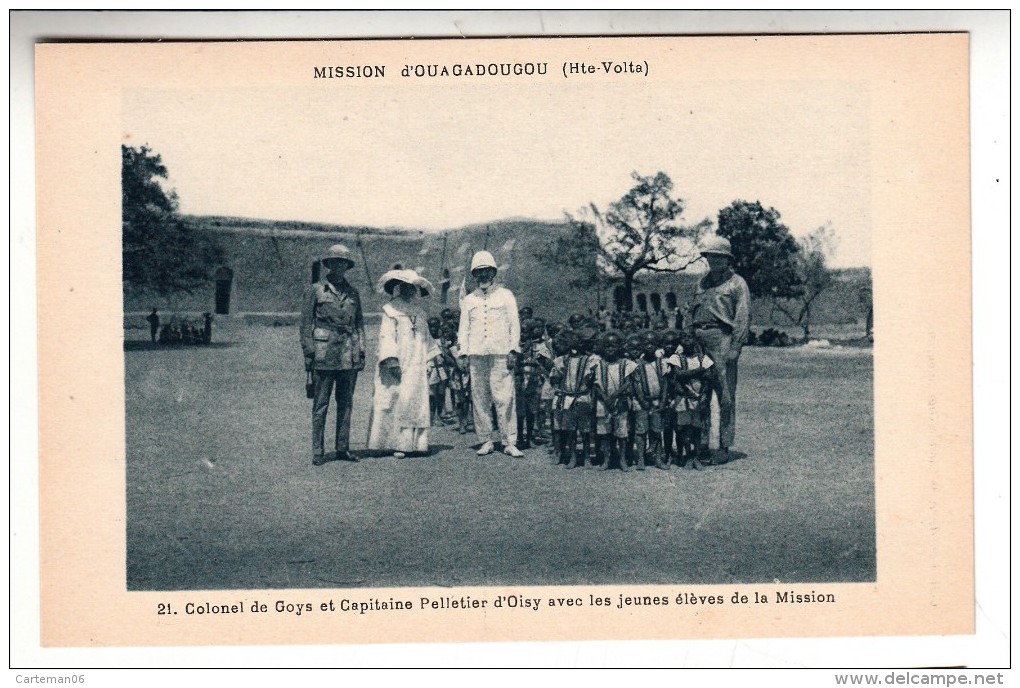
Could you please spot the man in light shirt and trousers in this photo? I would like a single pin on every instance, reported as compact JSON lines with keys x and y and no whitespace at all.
{"x":489,"y":337}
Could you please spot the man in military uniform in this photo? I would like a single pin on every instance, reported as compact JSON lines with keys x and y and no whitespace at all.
{"x":720,"y":319}
{"x":489,"y":338}
{"x":333,"y":342}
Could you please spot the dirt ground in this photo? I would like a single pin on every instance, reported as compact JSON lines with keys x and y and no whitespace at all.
{"x":222,"y":494}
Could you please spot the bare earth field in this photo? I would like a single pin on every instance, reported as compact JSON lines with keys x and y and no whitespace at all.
{"x":222,"y":494}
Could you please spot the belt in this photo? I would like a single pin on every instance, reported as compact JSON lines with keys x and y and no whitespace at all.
{"x":708,"y":326}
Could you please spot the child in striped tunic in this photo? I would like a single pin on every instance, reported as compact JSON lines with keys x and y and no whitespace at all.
{"x":612,"y":399}
{"x":648,"y":390}
{"x":691,"y":366}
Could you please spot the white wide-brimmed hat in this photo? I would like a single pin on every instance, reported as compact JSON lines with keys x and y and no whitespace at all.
{"x":387,"y":283}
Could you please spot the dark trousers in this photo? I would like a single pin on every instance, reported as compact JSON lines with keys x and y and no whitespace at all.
{"x":325,"y":381}
{"x":723,"y":381}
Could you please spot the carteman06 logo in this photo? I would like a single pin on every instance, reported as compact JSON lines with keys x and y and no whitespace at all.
{"x":72,"y":678}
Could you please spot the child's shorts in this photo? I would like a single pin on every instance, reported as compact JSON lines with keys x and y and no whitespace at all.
{"x":615,"y":424}
{"x":694,"y":419}
{"x":646,"y":421}
{"x":579,"y":416}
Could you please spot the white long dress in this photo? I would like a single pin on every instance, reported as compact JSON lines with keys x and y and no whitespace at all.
{"x":400,"y":410}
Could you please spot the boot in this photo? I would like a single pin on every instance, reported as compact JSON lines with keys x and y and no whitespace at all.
{"x":656,"y":452}
{"x":667,"y":446}
{"x":556,"y":448}
{"x":602,"y":452}
{"x":621,"y":454}
{"x":572,"y":463}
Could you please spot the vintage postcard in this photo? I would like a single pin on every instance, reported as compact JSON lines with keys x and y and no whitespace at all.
{"x":439,"y":340}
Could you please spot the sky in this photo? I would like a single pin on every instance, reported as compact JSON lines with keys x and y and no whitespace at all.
{"x":443,"y":155}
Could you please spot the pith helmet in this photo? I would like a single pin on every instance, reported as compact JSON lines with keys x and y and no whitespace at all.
{"x":338,"y":251}
{"x":482,"y":259}
{"x":714,"y":243}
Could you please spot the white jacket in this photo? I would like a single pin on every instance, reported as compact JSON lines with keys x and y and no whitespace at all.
{"x":489,"y":324}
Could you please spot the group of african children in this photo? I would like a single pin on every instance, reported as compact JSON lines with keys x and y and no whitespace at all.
{"x":642,"y":395}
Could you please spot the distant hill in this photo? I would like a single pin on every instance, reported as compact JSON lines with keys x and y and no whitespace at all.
{"x":243,"y":223}
{"x":271,"y":262}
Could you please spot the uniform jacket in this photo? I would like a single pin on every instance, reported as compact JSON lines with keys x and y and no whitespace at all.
{"x":489,"y":324}
{"x":727,"y":304}
{"x":332,"y":327}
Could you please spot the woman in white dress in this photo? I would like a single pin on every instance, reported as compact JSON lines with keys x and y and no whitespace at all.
{"x":400,"y":411}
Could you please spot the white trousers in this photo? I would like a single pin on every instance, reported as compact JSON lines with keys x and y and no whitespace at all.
{"x":492,"y":383}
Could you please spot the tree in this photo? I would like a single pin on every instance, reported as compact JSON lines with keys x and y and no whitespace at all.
{"x":577,"y":249}
{"x":161,"y":253}
{"x":813,"y":276}
{"x":639,"y":232}
{"x":764,"y":252}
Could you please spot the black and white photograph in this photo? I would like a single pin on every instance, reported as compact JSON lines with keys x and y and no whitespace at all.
{"x":442,"y":332}
{"x":506,"y":339}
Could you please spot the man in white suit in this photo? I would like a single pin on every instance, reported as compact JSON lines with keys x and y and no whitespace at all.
{"x":489,"y":337}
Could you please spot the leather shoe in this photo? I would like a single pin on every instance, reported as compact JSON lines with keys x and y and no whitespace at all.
{"x":318,"y":460}
{"x":485,"y":449}
{"x":511,"y":450}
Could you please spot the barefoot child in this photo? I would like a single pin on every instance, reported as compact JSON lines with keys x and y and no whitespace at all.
{"x":460,"y":382}
{"x":612,"y":386}
{"x":670,"y":345}
{"x":544,"y":357}
{"x":561,"y":342}
{"x":528,"y":378}
{"x":548,"y":391}
{"x":575,"y":372}
{"x":647,"y":391}
{"x":437,"y":376}
{"x":691,"y":406}
{"x":588,"y":344}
